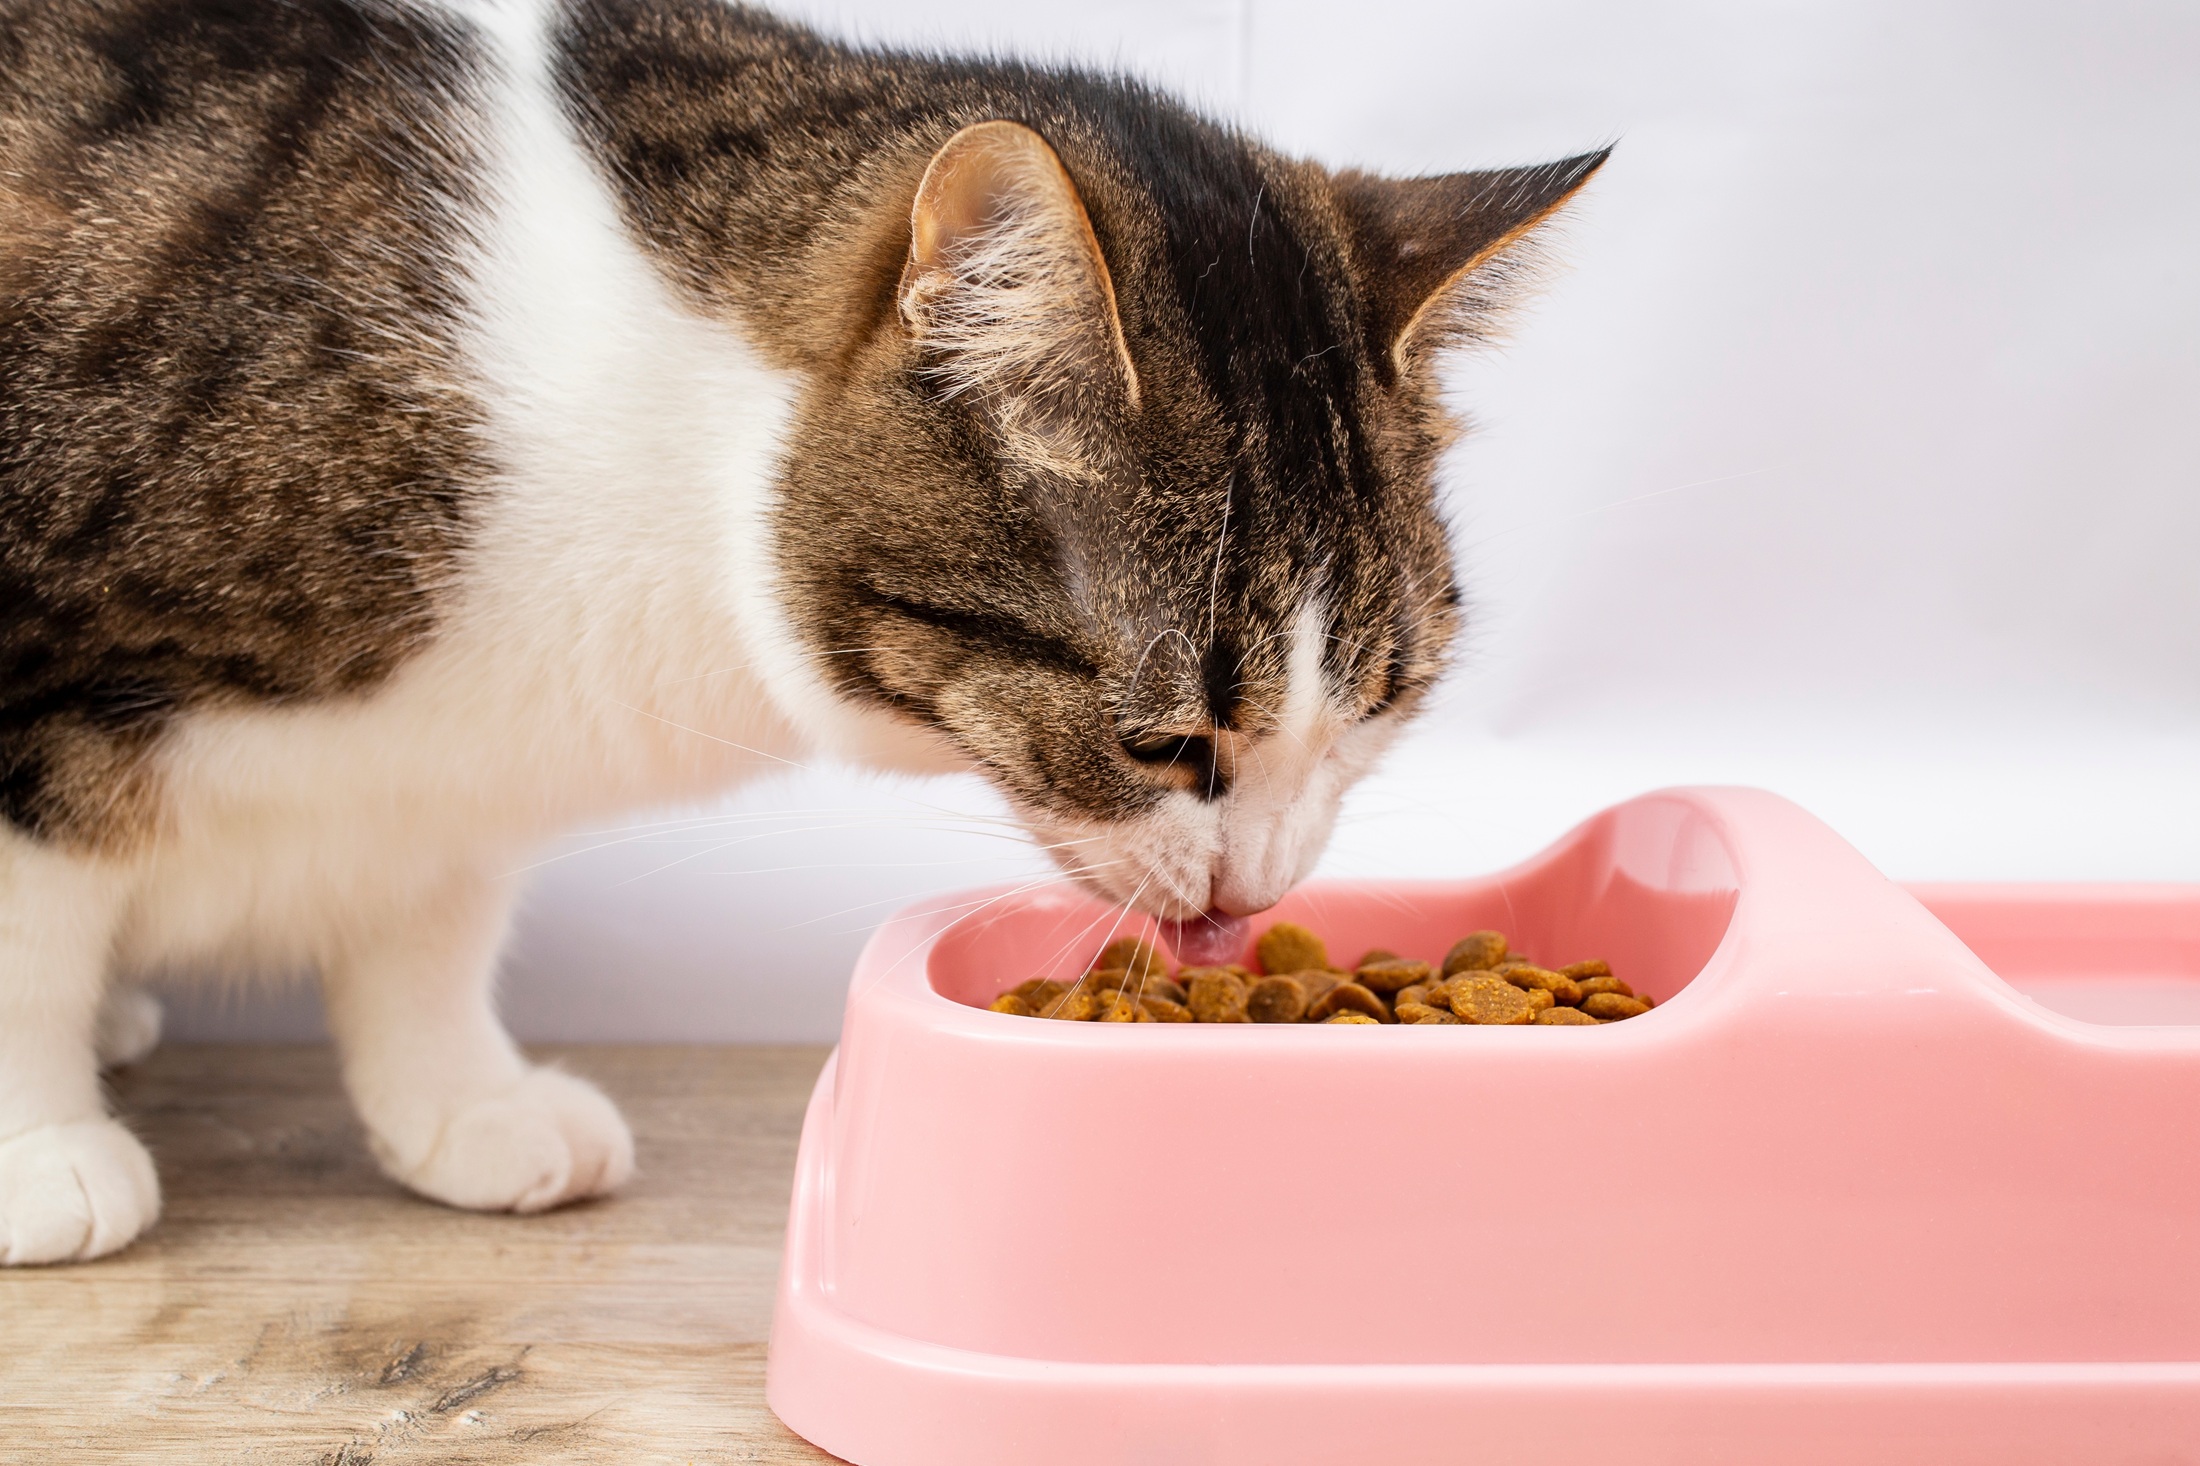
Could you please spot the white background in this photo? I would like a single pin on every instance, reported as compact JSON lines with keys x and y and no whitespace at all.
{"x":1855,"y":454}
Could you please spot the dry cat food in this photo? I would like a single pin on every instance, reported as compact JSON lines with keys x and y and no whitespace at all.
{"x":1480,"y":980}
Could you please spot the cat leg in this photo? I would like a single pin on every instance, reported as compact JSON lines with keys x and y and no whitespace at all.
{"x":128,"y":1029}
{"x":452,"y":1109}
{"x":73,"y":1183}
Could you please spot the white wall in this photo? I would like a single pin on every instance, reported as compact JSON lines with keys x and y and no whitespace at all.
{"x":1855,"y":455}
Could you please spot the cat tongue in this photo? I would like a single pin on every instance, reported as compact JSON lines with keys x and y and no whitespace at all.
{"x":1206,"y":941}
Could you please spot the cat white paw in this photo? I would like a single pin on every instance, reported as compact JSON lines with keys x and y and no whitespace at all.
{"x":72,"y":1192}
{"x":129,"y":1026}
{"x":548,"y":1140}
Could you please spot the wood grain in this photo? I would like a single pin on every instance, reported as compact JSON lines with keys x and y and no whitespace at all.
{"x":293,"y":1306}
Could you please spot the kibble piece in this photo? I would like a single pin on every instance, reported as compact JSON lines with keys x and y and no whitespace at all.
{"x":1562,"y":988}
{"x":1416,"y":992}
{"x":1117,"y":1007}
{"x":1423,"y":1013}
{"x":1475,"y":952}
{"x":1277,"y":999}
{"x":1540,"y":998}
{"x":1041,"y":992}
{"x":1011,"y":1003}
{"x":1289,"y":947}
{"x":1391,"y":975}
{"x":1129,"y":981}
{"x":1487,"y":998}
{"x":1078,"y":1005}
{"x":1108,"y":979}
{"x":1590,"y":986}
{"x":1215,"y":994}
{"x":1132,"y":954}
{"x":1349,"y":1016}
{"x":1555,"y":1017}
{"x":1316,"y":982}
{"x":1349,"y":997}
{"x":1609,"y":1006}
{"x":1375,"y":954}
{"x":1163,"y":1010}
{"x":1158,"y":986}
{"x":1595,"y":967}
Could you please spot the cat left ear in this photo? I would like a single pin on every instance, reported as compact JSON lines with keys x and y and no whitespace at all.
{"x":1005,"y":282}
{"x":1438,"y":258}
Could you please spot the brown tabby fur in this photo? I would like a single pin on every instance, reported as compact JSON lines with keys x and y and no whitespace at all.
{"x":1282,"y":444}
{"x":236,"y":444}
{"x":239,"y":447}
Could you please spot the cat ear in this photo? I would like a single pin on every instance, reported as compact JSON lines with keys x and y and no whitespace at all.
{"x":1005,"y":283}
{"x":1440,"y":258}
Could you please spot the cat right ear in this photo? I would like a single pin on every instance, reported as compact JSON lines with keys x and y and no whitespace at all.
{"x":1439,"y":259}
{"x":1005,"y":285}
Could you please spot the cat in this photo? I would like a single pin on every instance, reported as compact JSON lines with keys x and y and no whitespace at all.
{"x":425,"y":428}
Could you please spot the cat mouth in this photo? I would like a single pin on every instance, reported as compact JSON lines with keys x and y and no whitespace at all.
{"x":1201,"y":939}
{"x":1206,"y":940}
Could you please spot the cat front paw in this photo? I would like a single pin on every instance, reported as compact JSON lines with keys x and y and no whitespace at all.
{"x":73,"y":1192}
{"x":548,"y":1140}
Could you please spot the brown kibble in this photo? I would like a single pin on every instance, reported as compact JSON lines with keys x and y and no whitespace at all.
{"x":1316,"y":982}
{"x":1289,"y":947}
{"x":1277,"y":999}
{"x":1162,"y":987}
{"x":1042,"y":993}
{"x":1349,"y":997}
{"x":1151,"y":985}
{"x":1487,"y":998}
{"x":1215,"y":994}
{"x":1078,"y":1005}
{"x":1476,"y":952}
{"x":1562,"y":988}
{"x":1131,"y":954}
{"x":1129,"y":983}
{"x":1117,"y":1007}
{"x":1390,"y":976}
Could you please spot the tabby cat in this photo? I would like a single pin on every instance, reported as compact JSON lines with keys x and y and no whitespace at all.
{"x":424,"y":428}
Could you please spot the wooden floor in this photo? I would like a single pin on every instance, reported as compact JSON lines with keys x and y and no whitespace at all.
{"x":293,"y":1306}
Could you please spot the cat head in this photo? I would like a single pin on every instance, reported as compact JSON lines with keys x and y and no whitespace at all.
{"x":1121,"y":489}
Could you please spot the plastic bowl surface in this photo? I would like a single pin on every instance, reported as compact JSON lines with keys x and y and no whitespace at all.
{"x":1845,"y":1195}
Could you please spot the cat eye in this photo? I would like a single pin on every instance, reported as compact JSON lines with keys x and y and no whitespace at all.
{"x":1190,"y":749}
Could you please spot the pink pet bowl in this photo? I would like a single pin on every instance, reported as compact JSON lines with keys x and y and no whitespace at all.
{"x":1846,"y":1196}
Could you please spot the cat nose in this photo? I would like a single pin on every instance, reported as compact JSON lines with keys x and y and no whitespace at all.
{"x":1244,"y":888}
